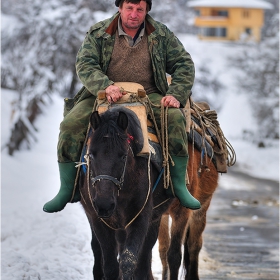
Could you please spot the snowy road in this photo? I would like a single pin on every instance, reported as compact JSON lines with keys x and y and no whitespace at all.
{"x":242,"y":233}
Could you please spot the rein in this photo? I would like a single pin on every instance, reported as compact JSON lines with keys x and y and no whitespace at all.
{"x":163,"y":139}
{"x":118,"y":183}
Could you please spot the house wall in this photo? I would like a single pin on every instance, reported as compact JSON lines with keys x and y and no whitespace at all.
{"x":237,"y":22}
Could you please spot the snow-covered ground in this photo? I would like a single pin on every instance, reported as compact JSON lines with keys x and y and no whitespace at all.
{"x":37,"y":245}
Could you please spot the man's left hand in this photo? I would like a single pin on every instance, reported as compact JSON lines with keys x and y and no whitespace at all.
{"x":170,"y":101}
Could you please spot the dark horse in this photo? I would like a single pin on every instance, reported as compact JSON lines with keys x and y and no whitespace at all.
{"x":116,"y":189}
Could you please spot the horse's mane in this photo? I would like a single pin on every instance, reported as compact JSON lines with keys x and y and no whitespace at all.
{"x":116,"y":135}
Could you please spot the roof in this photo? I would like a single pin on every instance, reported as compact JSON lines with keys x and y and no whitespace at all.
{"x":256,"y":4}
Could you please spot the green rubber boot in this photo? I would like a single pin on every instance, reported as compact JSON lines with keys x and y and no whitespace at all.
{"x":178,"y":177}
{"x":67,"y":173}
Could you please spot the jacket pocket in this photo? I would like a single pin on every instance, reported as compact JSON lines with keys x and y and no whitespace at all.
{"x":68,"y":105}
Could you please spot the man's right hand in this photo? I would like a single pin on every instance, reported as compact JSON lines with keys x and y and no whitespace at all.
{"x":113,"y":93}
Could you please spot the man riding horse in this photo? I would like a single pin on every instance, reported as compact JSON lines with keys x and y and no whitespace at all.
{"x":128,"y":47}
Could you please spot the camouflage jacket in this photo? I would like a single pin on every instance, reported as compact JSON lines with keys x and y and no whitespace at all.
{"x":167,"y":53}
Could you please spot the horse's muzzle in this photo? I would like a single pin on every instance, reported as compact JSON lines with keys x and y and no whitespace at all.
{"x":104,"y":210}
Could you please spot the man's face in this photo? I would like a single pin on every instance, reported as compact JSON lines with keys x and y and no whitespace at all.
{"x":133,"y":15}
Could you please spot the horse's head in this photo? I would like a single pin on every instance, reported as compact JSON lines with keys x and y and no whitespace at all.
{"x":116,"y":136}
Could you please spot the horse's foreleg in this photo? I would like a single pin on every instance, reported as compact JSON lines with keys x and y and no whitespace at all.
{"x":174,"y":254}
{"x":178,"y":227}
{"x":97,"y":253}
{"x":136,"y":234}
{"x":98,"y":273}
{"x":163,"y":242}
{"x":109,"y":249}
{"x":193,"y":243}
{"x":144,"y":266}
{"x":111,"y":265}
{"x":128,"y":262}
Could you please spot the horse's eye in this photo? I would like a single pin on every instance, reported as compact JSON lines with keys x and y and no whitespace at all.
{"x":124,"y":157}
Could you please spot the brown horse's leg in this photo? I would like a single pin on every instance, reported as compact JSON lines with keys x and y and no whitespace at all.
{"x":202,"y":186}
{"x":180,"y":216}
{"x":164,"y":241}
{"x":193,"y":242}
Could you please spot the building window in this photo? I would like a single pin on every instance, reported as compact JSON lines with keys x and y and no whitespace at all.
{"x":219,"y":13}
{"x":221,"y":32}
{"x":197,"y":13}
{"x":214,"y":31}
{"x":246,"y":14}
{"x":223,"y":13}
{"x":208,"y":31}
{"x":248,"y":31}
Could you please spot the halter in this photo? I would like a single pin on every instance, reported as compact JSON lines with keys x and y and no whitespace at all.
{"x":118,"y":183}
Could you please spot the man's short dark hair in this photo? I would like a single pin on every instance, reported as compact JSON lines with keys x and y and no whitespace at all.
{"x":120,"y":3}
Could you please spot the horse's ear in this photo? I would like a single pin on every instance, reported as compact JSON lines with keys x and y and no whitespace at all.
{"x":122,"y":120}
{"x":95,"y":120}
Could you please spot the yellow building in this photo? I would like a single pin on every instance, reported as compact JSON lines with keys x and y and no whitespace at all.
{"x":229,"y":20}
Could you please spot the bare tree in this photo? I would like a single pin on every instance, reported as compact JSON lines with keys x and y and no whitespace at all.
{"x":259,"y":78}
{"x":38,"y":58}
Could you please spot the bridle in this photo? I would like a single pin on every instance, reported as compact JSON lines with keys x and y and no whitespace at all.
{"x":98,"y":178}
{"x":118,"y":183}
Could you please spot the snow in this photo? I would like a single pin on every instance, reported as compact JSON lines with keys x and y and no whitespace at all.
{"x":9,"y":23}
{"x":256,"y":4}
{"x":37,"y":245}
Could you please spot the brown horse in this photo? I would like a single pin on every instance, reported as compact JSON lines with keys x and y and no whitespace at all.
{"x":187,"y":225}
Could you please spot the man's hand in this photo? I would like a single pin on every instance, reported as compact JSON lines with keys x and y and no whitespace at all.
{"x":113,"y":93}
{"x":170,"y":101}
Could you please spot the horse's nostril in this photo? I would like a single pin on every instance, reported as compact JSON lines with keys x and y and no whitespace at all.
{"x":104,"y":210}
{"x":112,"y":207}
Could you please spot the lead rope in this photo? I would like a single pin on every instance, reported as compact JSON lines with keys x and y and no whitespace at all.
{"x":163,"y":139}
{"x":166,"y":155}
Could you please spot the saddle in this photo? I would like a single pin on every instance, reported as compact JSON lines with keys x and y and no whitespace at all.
{"x":135,"y":100}
{"x":203,"y":128}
